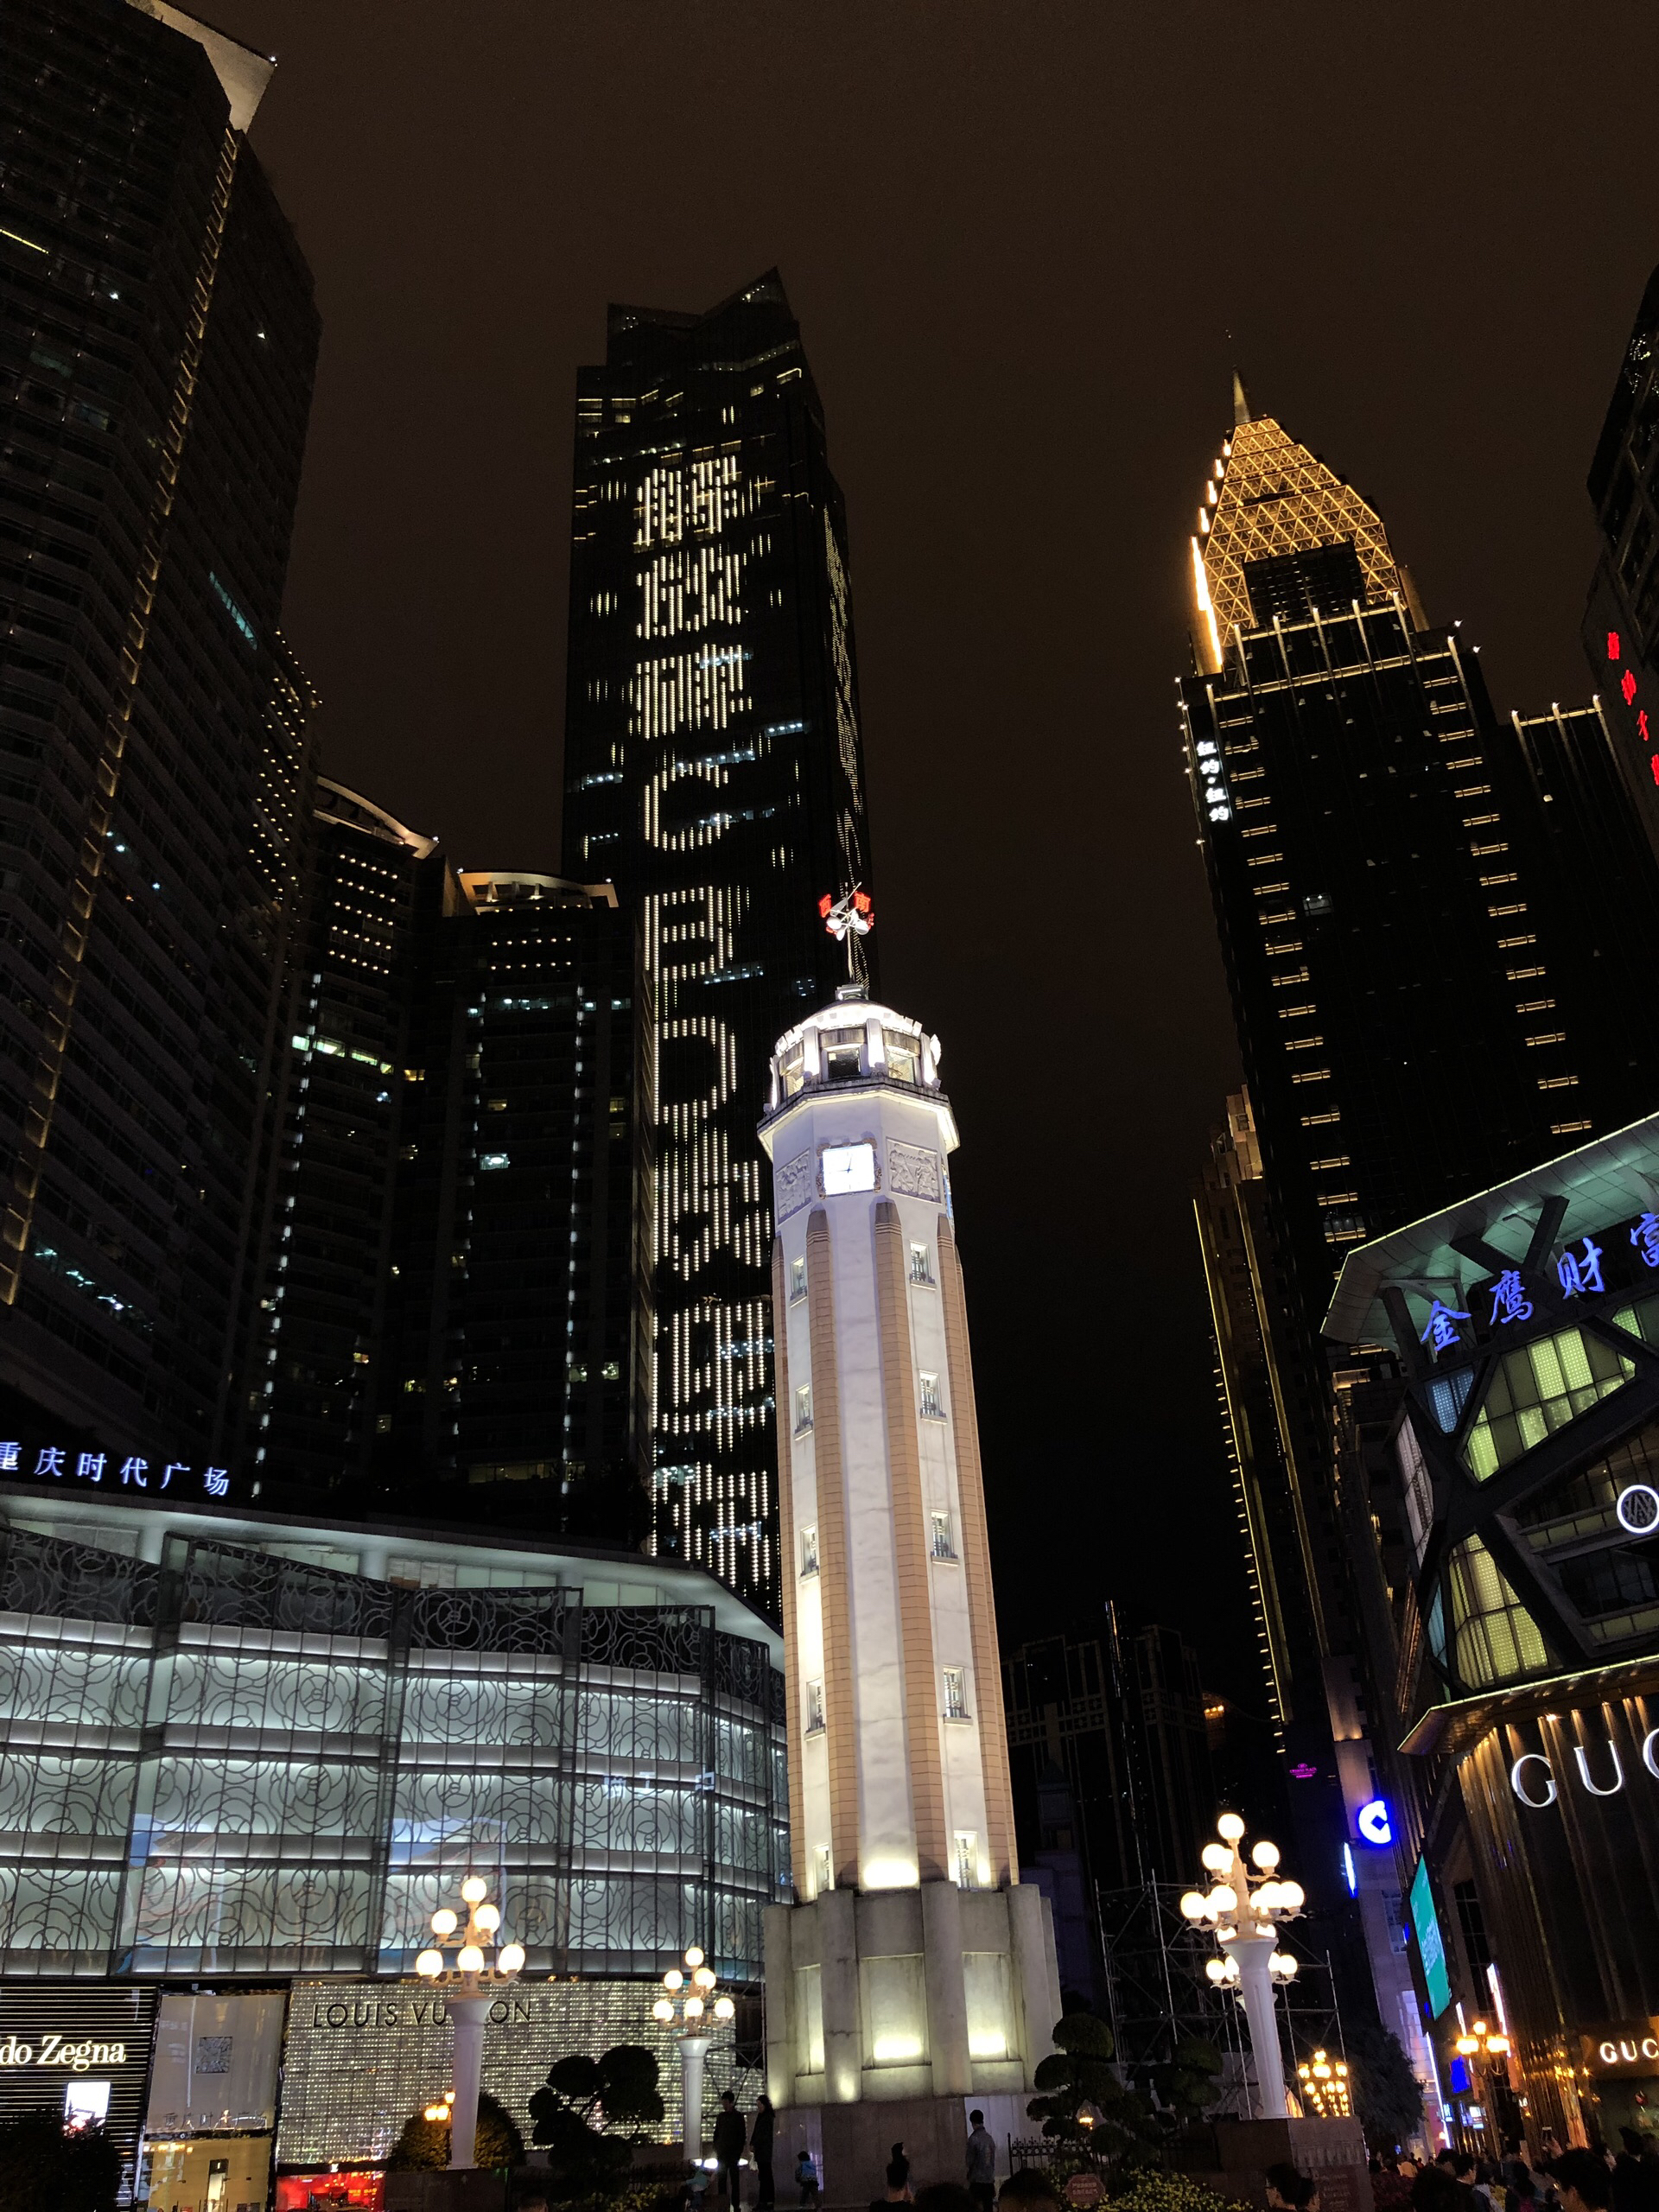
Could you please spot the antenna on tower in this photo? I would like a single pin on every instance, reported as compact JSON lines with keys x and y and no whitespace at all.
{"x":847,"y":918}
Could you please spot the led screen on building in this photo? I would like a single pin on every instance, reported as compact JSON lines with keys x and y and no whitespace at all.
{"x":1430,"y":1948}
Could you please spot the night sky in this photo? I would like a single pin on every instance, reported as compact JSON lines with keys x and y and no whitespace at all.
{"x":1026,"y":241}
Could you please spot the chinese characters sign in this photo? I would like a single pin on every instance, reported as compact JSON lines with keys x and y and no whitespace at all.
{"x":1510,"y":1295}
{"x":50,"y":1462}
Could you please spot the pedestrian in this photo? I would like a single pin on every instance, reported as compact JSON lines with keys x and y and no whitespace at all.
{"x":1290,"y":2192}
{"x":806,"y":2179}
{"x":728,"y":2147}
{"x":982,"y":2163}
{"x":1584,"y":2181}
{"x":760,"y":2143}
{"x":898,"y":2181}
{"x":1029,"y":2190}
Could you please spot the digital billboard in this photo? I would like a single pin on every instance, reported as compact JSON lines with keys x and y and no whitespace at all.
{"x":1430,"y":1948}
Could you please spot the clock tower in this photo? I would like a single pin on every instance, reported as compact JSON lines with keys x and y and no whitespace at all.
{"x":914,"y":1969}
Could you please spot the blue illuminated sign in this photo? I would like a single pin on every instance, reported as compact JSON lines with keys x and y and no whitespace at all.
{"x":1580,"y":1274}
{"x":55,"y":1461}
{"x":1374,"y":1825}
{"x":1442,"y":1330}
{"x":1350,"y":1871}
{"x":1510,"y":1300}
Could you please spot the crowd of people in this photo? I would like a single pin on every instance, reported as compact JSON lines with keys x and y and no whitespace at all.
{"x":1592,"y":2180}
{"x":1596,"y":2179}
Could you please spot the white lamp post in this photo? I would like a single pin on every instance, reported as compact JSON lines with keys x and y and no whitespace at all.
{"x":693,"y":1991}
{"x":1245,"y":1919}
{"x":469,"y":1989}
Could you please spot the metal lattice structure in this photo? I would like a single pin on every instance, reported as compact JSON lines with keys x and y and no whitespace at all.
{"x":1268,"y":496}
{"x":1157,"y":1992}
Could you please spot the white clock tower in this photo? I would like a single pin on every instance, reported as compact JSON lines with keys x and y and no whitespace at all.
{"x":915,"y":1976}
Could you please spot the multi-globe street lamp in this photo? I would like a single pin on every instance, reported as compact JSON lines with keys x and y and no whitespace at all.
{"x":1246,"y":1911}
{"x":470,"y":1988}
{"x":692,"y":1990}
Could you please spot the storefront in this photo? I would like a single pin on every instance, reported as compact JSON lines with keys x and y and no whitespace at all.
{"x":81,"y":2051}
{"x":211,"y":2114}
{"x":1512,"y":1604}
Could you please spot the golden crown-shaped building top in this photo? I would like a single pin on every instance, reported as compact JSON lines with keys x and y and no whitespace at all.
{"x":1267,"y":496}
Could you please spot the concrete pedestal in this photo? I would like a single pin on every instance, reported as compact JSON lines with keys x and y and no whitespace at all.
{"x":891,"y":2015}
{"x":1331,"y":2151}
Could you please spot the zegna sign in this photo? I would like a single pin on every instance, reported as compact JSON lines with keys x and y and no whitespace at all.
{"x":52,"y":2050}
{"x":1600,"y":1771}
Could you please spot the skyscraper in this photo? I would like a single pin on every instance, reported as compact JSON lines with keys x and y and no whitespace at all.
{"x":161,"y":340}
{"x":714,"y":772}
{"x":455,"y":1315}
{"x":1404,"y":939}
{"x":1431,"y":991}
{"x":1621,"y":620}
{"x":514,"y":1383}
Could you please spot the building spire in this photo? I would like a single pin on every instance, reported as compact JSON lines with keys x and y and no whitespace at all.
{"x":1241,"y":402}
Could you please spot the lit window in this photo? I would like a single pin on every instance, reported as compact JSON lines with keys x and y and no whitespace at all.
{"x":808,"y":1551}
{"x":797,"y":1278}
{"x":902,"y":1063}
{"x":944,"y":1543}
{"x":1537,"y":1390}
{"x":814,"y":1708}
{"x":921,"y":1264}
{"x":495,"y":1160}
{"x":967,"y":1859}
{"x":933,"y":1408}
{"x":842,"y":1062}
{"x":826,"y":1872}
{"x":955,"y":1693}
{"x":803,"y":1408}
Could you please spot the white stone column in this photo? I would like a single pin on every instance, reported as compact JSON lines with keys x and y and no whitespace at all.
{"x":843,"y":2026}
{"x":693,"y":2051}
{"x":779,"y":1978}
{"x":1034,"y":1978}
{"x":1254,"y":1953}
{"x":947,"y":1993}
{"x":467,"y":2015}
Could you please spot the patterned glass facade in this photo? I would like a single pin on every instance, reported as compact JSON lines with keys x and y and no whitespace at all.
{"x":224,"y":1761}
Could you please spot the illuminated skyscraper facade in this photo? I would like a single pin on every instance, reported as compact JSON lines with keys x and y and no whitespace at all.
{"x":160,"y":340}
{"x":1406,"y":938}
{"x":714,"y":772}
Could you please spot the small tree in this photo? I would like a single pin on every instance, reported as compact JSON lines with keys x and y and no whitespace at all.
{"x":426,"y":2142}
{"x":1080,"y":2072}
{"x":45,"y":2169}
{"x":1187,"y":2081}
{"x":620,"y":2090}
{"x":1387,"y":2093}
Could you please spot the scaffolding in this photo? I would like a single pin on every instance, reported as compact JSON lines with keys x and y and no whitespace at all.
{"x":1158,"y":1992}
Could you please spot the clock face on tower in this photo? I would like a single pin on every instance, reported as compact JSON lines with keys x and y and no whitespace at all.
{"x":848,"y":1168}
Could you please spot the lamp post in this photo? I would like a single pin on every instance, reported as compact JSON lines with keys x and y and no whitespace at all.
{"x":693,"y":1992}
{"x":1489,"y":2049}
{"x":1246,"y":1920}
{"x":469,"y":1989}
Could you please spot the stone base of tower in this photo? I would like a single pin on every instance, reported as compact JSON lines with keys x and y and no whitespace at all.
{"x":891,"y":2013}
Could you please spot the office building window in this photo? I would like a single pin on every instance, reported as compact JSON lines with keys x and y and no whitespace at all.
{"x":955,"y":1693}
{"x":803,"y":1408}
{"x":921,"y":1264}
{"x":814,"y":1708}
{"x":967,"y":1859}
{"x":808,"y":1551}
{"x":943,"y":1542}
{"x":933,"y":1408}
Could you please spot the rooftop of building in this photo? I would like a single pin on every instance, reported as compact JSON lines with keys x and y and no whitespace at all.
{"x":423,"y":1554}
{"x":853,"y":1044}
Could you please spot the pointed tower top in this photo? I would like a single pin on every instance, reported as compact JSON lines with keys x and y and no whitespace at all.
{"x":1241,"y":403}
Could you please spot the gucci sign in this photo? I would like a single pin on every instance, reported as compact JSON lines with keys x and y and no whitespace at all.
{"x":1532,"y":1777}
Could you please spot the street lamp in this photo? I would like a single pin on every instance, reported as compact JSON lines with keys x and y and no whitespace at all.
{"x":469,"y":1989}
{"x":1324,"y":2087}
{"x":1246,"y":1919}
{"x":692,"y":1990}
